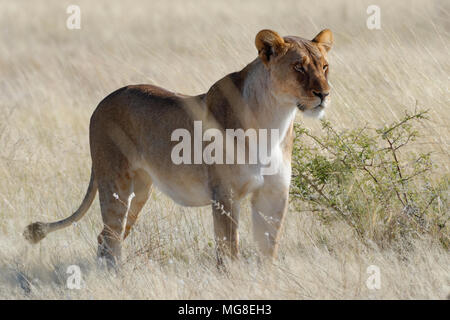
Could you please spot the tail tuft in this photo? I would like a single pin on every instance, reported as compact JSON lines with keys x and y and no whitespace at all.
{"x":35,"y":232}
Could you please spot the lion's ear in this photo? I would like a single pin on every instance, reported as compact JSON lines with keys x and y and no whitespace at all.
{"x":269,"y":45}
{"x":324,"y":38}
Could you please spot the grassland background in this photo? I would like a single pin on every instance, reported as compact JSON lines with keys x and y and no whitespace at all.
{"x":52,"y":78}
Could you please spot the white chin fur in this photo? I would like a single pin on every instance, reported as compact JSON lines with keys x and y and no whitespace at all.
{"x":317,"y":113}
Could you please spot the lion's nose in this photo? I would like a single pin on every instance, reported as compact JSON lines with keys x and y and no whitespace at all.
{"x":321,"y":95}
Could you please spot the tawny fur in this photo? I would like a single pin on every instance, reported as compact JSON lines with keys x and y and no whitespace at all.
{"x":130,"y":140}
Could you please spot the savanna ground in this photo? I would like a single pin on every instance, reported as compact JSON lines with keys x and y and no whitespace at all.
{"x":52,"y":78}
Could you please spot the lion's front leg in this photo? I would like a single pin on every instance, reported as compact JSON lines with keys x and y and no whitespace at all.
{"x":226,"y":221}
{"x":269,"y":206}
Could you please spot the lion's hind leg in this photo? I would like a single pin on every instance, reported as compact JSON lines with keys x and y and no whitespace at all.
{"x":116,"y":197}
{"x":142,"y":184}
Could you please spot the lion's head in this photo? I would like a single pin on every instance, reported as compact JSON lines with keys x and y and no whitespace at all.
{"x":298,"y":68}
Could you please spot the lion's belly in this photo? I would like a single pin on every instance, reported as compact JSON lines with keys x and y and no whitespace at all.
{"x":194,"y":196}
{"x":188,"y":184}
{"x":185,"y":186}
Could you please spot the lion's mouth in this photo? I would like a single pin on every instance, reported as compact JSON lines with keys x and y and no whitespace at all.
{"x":301,"y":107}
{"x":319,"y":107}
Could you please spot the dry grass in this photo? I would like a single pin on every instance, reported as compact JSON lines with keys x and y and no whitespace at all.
{"x":52,"y":79}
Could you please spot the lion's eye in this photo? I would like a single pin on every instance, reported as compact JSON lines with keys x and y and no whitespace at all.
{"x":325,"y":67}
{"x":298,"y":67}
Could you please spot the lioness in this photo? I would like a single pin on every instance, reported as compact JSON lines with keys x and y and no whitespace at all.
{"x":131,"y":145}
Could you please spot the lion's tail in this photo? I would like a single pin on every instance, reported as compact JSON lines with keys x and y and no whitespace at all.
{"x":37,"y":231}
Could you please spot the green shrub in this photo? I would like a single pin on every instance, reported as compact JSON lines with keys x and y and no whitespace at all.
{"x":365,"y":177}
